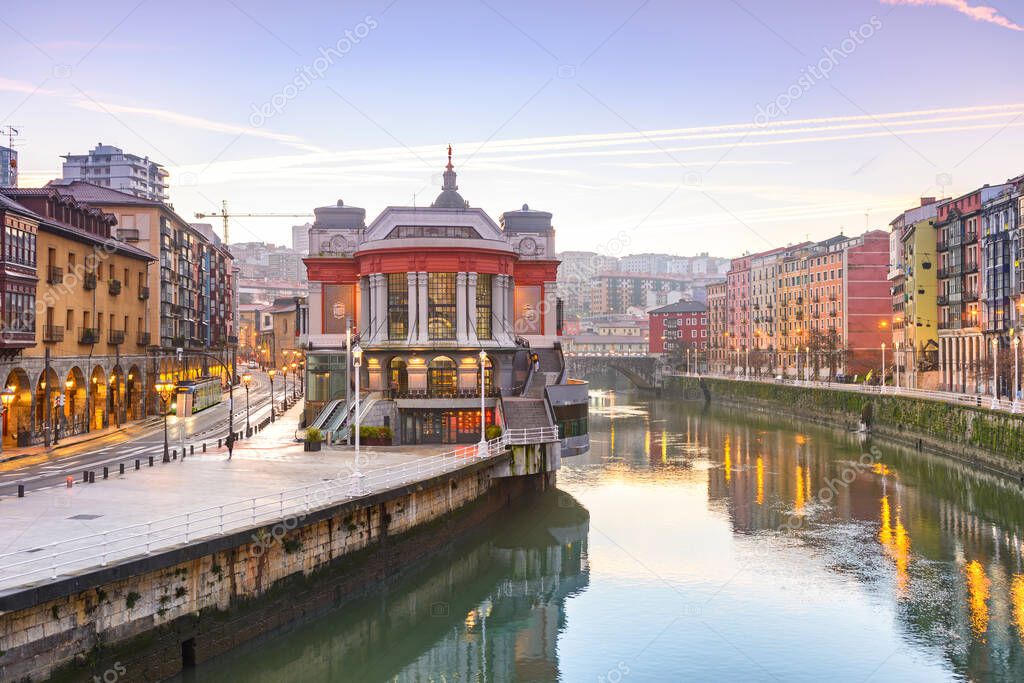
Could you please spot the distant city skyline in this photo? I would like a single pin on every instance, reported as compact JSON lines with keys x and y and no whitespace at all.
{"x":644,"y":127}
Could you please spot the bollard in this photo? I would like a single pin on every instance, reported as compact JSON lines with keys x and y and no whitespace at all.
{"x":21,"y":490}
{"x":204,"y":447}
{"x":121,"y":468}
{"x":70,"y":481}
{"x":85,"y":477}
{"x":138,"y":463}
{"x":218,"y":443}
{"x":92,"y":477}
{"x":192,"y":449}
{"x":106,"y":472}
{"x":151,"y":461}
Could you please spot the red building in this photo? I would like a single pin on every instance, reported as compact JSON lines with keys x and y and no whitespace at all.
{"x":679,"y":326}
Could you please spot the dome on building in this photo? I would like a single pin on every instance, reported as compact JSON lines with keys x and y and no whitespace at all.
{"x":449,"y":197}
{"x":340,"y":216}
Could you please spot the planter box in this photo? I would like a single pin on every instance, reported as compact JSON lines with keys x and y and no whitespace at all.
{"x":375,"y":442}
{"x":312,"y":446}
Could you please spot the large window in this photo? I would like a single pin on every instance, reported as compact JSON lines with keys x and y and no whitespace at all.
{"x":339,"y":307}
{"x":398,"y":306}
{"x":441,"y":305}
{"x":483,"y":306}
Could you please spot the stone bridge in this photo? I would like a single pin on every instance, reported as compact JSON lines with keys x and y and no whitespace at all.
{"x":643,"y":371}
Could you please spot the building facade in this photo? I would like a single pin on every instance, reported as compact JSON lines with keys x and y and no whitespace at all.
{"x":717,"y":326}
{"x":190,"y":293}
{"x":75,"y":339}
{"x":679,"y":327}
{"x":915,"y":340}
{"x":111,"y":167}
{"x":425,"y":290}
{"x":8,"y":167}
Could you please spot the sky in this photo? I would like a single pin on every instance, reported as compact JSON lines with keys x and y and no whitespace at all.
{"x":642,"y":125}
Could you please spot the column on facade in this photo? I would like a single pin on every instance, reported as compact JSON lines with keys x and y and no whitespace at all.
{"x":413,"y":323}
{"x":510,"y":304}
{"x":498,"y":306}
{"x":424,"y":334}
{"x":382,"y":307}
{"x":460,"y":308}
{"x":471,"y":303}
{"x":364,"y":307}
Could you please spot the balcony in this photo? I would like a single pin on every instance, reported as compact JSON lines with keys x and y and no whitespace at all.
{"x":142,"y":338}
{"x":128,"y":235}
{"x":54,"y":275}
{"x":970,"y":268}
{"x":88,"y":335}
{"x":970,"y":296}
{"x":115,"y":337}
{"x":143,"y":293}
{"x":942,"y":245}
{"x":943,"y":299}
{"x":53,"y":333}
{"x":89,"y":282}
{"x":971,"y":237}
{"x":114,"y":287}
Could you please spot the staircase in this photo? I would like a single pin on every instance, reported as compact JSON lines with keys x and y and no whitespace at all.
{"x":525,"y":413}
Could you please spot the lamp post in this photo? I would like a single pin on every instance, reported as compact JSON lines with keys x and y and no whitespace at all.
{"x":483,"y":414}
{"x":995,"y":377}
{"x":1016,"y":373}
{"x":284,"y":380}
{"x":896,"y":365}
{"x":807,"y":364}
{"x":295,"y":368}
{"x":746,"y":363}
{"x":357,"y":362}
{"x":164,"y":391}
{"x":798,"y":364}
{"x":271,"y":372}
{"x":246,"y":378}
{"x":881,"y":380}
{"x":69,"y":384}
{"x":7,"y":397}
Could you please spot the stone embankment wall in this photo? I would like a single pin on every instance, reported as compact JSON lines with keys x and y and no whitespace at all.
{"x":988,"y":438}
{"x":146,"y":619}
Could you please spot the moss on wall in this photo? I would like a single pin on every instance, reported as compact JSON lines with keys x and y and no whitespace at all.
{"x":965,"y":426}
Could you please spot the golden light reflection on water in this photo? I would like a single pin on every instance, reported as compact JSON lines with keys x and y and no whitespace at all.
{"x":664,"y":446}
{"x":728,"y":459}
{"x":760,"y":481}
{"x":1017,"y":603}
{"x":896,"y":542}
{"x":977,"y":591}
{"x":799,"y":502}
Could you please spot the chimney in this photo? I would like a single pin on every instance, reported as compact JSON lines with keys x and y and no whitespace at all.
{"x":925,"y":201}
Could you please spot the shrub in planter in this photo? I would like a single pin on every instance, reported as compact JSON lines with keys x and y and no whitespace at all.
{"x":314,"y":440}
{"x":492,"y":432}
{"x":372,"y":436}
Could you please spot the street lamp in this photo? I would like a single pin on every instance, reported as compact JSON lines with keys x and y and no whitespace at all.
{"x":271,"y":372}
{"x":995,"y":377}
{"x":295,"y":367}
{"x":483,"y":391}
{"x":896,"y":365}
{"x":1016,"y":373}
{"x":7,"y":396}
{"x":284,"y":377}
{"x":807,"y":363}
{"x":246,"y":378}
{"x":881,"y":380}
{"x":164,"y":390}
{"x":357,"y":362}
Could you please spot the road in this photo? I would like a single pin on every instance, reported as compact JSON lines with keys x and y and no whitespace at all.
{"x":140,"y":441}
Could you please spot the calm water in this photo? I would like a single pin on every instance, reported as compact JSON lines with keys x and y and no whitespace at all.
{"x":700,"y":545}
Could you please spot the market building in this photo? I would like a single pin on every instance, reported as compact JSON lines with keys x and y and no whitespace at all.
{"x":429,"y":294}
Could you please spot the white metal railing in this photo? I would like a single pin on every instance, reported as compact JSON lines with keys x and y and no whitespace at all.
{"x":974,"y":400}
{"x":48,"y":561}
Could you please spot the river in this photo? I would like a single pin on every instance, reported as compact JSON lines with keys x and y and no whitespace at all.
{"x":699,"y":543}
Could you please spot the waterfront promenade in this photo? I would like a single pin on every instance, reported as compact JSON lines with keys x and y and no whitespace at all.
{"x":269,"y":479}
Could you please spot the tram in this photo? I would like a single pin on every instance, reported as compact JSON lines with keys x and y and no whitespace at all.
{"x":198,"y":394}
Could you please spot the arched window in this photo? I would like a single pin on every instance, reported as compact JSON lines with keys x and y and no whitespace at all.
{"x":441,"y":377}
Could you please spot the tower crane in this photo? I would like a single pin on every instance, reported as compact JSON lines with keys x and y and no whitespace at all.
{"x":223,"y":214}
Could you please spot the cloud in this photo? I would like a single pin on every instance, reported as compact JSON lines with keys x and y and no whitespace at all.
{"x":984,"y":13}
{"x":190,"y":121}
{"x":9,"y":85}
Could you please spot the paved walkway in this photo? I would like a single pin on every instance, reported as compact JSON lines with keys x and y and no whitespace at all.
{"x":58,"y":526}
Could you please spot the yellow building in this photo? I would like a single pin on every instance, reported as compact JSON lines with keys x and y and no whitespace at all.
{"x":915,"y":326}
{"x":88,"y":318}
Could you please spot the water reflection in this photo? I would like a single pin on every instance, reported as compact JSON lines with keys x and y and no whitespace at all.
{"x":490,"y":610}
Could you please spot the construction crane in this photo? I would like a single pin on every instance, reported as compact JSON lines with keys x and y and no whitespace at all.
{"x":227,"y":216}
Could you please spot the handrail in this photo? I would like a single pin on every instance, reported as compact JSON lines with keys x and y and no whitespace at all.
{"x":46,"y":562}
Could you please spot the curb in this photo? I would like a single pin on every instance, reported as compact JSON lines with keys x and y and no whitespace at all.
{"x":74,"y":443}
